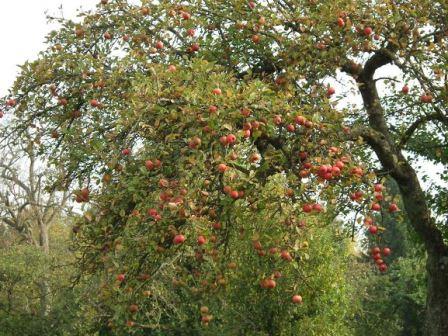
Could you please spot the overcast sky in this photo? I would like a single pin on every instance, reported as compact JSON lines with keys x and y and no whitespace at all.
{"x":23,"y":27}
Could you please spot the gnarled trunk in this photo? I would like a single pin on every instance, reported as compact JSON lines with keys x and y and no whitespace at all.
{"x":436,"y":322}
{"x":378,"y":136}
{"x":437,"y":295}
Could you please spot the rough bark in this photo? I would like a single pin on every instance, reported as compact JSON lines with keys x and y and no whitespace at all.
{"x":378,"y":136}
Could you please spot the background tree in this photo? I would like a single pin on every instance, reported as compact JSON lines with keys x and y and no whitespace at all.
{"x":26,"y":206}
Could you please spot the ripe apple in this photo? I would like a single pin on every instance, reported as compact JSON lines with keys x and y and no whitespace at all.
{"x":133,"y":308}
{"x":245,"y":112}
{"x":376,"y":256}
{"x":307,"y":208}
{"x":341,"y":22}
{"x":297,"y":299}
{"x":94,"y":103}
{"x":256,"y":38}
{"x":126,"y":151}
{"x":234,"y":194}
{"x":393,"y":207}
{"x":216,"y":91}
{"x":159,"y":45}
{"x":375,"y":207}
{"x":300,"y":120}
{"x":285,"y":255}
{"x":223,"y":140}
{"x":172,"y":68}
{"x":11,"y":102}
{"x":405,"y":89}
{"x":213,"y":109}
{"x":222,"y":167}
{"x":231,"y":138}
{"x":379,"y":261}
{"x":376,"y":250}
{"x":382,"y":268}
{"x":201,"y":240}
{"x":387,"y":251}
{"x":145,"y":11}
{"x":194,"y":47}
{"x":290,"y":128}
{"x":368,"y":31}
{"x":251,"y":4}
{"x":149,"y":165}
{"x":330,"y":91}
{"x":178,"y":239}
{"x":186,"y":15}
{"x":270,"y":284}
{"x":121,"y":277}
{"x":277,"y":119}
{"x":426,"y":98}
{"x":378,"y":187}
{"x":373,"y":229}
{"x":107,"y":35}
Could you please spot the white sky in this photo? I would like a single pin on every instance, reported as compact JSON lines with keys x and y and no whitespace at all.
{"x":23,"y":27}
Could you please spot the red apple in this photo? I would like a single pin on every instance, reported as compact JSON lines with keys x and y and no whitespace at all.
{"x":11,"y":102}
{"x":368,"y":31}
{"x":149,"y":165}
{"x":201,"y":240}
{"x":222,"y":167}
{"x":307,"y":208}
{"x":270,"y":284}
{"x":387,"y":251}
{"x":234,"y":194}
{"x":231,"y":138}
{"x":121,"y":277}
{"x":285,"y":255}
{"x":178,"y":239}
{"x":375,"y":207}
{"x":393,"y":207}
{"x":159,"y":45}
{"x":373,"y":229}
{"x":405,"y":89}
{"x":297,"y":299}
{"x":217,"y":91}
{"x":186,"y":15}
{"x":94,"y":103}
{"x":133,"y":308}
{"x":341,"y":22}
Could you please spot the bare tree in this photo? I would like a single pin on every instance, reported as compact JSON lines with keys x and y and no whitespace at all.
{"x":28,"y":206}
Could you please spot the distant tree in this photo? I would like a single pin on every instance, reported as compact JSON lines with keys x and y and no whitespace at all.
{"x":28,"y":206}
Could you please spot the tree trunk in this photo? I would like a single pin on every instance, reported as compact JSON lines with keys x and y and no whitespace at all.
{"x":378,"y":136}
{"x":436,"y":323}
{"x":437,"y":295}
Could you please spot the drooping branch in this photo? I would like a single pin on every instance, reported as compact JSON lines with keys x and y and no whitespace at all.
{"x":416,"y":124}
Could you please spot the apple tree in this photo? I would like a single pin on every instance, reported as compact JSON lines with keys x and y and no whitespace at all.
{"x":172,"y":119}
